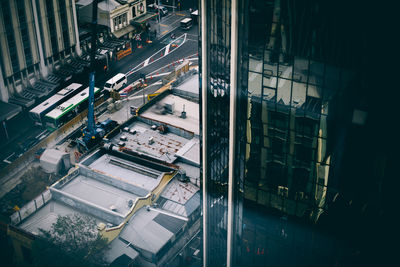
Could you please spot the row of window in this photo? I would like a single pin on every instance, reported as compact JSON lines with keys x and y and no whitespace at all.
{"x":64,"y":25}
{"x":120,"y":21}
{"x":10,"y":36}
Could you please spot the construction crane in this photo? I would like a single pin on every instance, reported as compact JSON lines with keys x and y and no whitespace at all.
{"x":90,"y":134}
{"x":93,"y":133}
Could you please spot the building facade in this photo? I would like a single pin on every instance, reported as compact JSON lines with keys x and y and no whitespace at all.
{"x":274,"y":80}
{"x":115,"y":15}
{"x":35,"y":35}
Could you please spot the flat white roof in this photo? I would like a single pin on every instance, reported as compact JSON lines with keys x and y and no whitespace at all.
{"x":105,"y":164}
{"x":191,"y":85}
{"x":190,"y":123}
{"x":99,"y":193}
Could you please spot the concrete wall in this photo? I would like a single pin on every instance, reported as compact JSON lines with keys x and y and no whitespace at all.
{"x":87,"y":207}
{"x":171,"y":128}
{"x":186,"y":94}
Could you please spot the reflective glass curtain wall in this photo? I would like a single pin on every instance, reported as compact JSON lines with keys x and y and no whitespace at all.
{"x":216,"y":120}
{"x":293,"y":62}
{"x":216,"y":87}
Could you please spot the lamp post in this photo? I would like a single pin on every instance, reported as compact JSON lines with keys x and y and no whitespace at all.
{"x":159,"y":17}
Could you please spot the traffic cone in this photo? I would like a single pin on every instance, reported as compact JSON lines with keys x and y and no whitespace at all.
{"x":162,"y":54}
{"x":151,"y":77}
{"x":151,"y":59}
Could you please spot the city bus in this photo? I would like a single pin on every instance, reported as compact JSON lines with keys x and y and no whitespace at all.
{"x":69,"y":109}
{"x":37,"y":113}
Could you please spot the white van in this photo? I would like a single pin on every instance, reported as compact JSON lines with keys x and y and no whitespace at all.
{"x":186,"y":23}
{"x":115,"y":83}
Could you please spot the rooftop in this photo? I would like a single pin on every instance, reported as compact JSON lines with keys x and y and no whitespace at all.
{"x":119,"y":248}
{"x":190,"y":152}
{"x":100,"y":193}
{"x":44,"y":217}
{"x":127,"y":172}
{"x":162,"y":147}
{"x":190,"y":123}
{"x":150,"y":229}
{"x":191,"y":84}
{"x":180,"y":198}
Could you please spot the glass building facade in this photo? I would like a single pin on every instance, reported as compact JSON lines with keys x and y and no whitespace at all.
{"x":275,"y":80}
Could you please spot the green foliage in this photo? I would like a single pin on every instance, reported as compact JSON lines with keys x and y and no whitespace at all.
{"x":72,"y":241}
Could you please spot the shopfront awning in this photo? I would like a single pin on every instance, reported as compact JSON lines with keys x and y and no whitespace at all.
{"x":142,"y":19}
{"x":124,"y":31}
{"x":8,"y":111}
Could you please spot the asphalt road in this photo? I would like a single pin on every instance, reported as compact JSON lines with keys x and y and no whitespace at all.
{"x":139,"y":55}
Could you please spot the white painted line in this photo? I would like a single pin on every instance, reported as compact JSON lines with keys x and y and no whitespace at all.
{"x":135,"y":97}
{"x":167,"y":49}
{"x":139,"y":67}
{"x":161,"y":74}
{"x":146,"y":62}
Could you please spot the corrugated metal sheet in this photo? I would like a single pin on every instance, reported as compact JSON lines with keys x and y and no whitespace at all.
{"x":192,"y":204}
{"x":171,"y":223}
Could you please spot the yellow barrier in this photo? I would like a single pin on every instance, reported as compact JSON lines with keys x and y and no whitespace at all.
{"x":124,"y":53}
{"x":112,"y":233}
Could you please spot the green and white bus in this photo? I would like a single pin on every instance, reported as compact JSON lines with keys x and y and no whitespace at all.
{"x":69,"y":109}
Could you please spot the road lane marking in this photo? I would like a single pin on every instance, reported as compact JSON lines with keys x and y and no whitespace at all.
{"x":159,"y":75}
{"x":167,"y":49}
{"x":163,"y":25}
{"x":164,"y":32}
{"x":143,"y":64}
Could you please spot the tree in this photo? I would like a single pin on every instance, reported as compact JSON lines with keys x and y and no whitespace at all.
{"x":73,"y":240}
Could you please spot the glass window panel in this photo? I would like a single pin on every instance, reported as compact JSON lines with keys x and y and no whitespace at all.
{"x":316,"y":73}
{"x":255,"y":64}
{"x":332,"y":77}
{"x":254,"y":85}
{"x":300,"y":69}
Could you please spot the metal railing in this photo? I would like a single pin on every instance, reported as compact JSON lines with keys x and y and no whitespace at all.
{"x":30,"y":208}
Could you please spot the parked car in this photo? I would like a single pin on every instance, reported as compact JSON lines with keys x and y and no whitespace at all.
{"x":155,"y":8}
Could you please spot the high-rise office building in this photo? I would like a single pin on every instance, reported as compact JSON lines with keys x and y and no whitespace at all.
{"x":35,"y":35}
{"x":277,"y":79}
